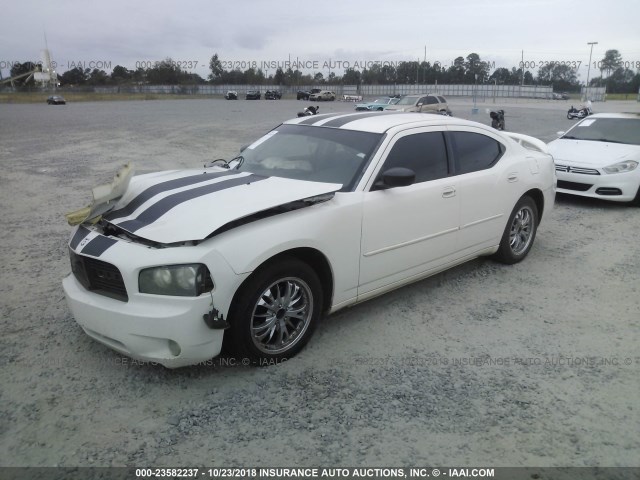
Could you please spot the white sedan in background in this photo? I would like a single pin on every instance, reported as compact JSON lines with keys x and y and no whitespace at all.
{"x":599,"y":156}
{"x":319,"y":214}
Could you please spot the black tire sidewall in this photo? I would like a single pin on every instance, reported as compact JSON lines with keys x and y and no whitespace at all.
{"x":238,"y":338}
{"x":504,"y":253}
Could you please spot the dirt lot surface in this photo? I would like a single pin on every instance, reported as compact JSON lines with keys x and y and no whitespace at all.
{"x":535,"y":364}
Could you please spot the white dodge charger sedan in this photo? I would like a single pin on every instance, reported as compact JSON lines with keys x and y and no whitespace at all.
{"x":320,"y":213}
{"x":599,"y":156}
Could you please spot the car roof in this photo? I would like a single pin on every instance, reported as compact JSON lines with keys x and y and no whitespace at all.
{"x":379,"y":122}
{"x":616,"y":115}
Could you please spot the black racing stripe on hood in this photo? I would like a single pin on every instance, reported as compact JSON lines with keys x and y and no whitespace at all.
{"x":80,"y":234}
{"x":158,"y":209}
{"x":97,"y":246}
{"x":314,"y":118}
{"x":154,"y":190}
{"x":352,"y":117}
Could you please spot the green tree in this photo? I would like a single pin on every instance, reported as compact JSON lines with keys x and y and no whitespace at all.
{"x":621,"y":81}
{"x":120,"y":75}
{"x":22,"y":69}
{"x":215,"y":66}
{"x":563,"y":77}
{"x":98,"y":77}
{"x":75,"y":76}
{"x":474,"y":66}
{"x":502,"y":76}
{"x":456,"y":72}
{"x":407,"y":73}
{"x":611,"y":61}
{"x":278,"y":78}
{"x":352,"y":77}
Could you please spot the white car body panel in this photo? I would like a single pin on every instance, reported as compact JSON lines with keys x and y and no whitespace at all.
{"x":194,"y":211}
{"x":373,"y":241}
{"x":591,"y":154}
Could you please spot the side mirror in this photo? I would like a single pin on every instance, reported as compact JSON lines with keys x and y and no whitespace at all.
{"x":395,"y":177}
{"x":419,"y":104}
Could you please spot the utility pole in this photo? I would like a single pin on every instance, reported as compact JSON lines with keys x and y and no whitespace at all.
{"x":424,"y":66}
{"x":586,"y":88}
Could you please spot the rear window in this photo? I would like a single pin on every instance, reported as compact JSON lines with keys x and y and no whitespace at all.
{"x":474,"y":151}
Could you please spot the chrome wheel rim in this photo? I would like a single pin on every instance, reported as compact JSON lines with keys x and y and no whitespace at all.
{"x":521,"y":231}
{"x":281,"y":315}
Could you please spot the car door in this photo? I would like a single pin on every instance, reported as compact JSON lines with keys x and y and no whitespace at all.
{"x":430,"y":104}
{"x":487,"y":187}
{"x":407,"y":231}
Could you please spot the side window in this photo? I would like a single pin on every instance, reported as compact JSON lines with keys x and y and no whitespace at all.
{"x":442,"y":100}
{"x":424,"y":153}
{"x":474,"y":151}
{"x":431,"y":100}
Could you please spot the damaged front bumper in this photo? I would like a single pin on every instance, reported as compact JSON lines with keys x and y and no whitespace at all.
{"x":164,"y":329}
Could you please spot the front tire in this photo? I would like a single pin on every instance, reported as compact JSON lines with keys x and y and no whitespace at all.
{"x":519,"y":233}
{"x":275,"y":312}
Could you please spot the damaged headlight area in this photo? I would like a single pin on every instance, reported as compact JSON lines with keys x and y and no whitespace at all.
{"x":189,"y":280}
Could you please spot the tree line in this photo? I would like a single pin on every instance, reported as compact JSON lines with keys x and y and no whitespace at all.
{"x":614,"y":74}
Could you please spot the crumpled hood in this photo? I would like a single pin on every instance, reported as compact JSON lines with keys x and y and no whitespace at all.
{"x":185,"y":205}
{"x":591,"y":153}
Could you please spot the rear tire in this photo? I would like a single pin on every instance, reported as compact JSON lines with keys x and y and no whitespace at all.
{"x":519,"y":233}
{"x":275,"y":313}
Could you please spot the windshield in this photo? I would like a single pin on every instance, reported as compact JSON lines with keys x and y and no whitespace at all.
{"x":408,"y":100}
{"x":317,"y":154}
{"x":615,"y":130}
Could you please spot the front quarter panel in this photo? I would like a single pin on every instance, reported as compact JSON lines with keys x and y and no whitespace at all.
{"x":332,"y":228}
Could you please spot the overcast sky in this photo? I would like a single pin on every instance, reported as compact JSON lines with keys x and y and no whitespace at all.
{"x":130,"y":33}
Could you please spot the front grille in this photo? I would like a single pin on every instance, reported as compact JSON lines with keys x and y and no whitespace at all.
{"x":98,"y":276}
{"x":583,"y":171}
{"x":580,"y":187}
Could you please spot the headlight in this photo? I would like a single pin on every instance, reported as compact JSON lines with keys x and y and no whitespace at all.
{"x":621,"y":167}
{"x":179,"y":280}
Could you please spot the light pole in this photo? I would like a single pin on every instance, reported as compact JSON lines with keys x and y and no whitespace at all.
{"x":589,"y":68}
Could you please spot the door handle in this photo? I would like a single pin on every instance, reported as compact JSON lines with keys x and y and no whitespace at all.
{"x":449,"y":192}
{"x":513,"y":177}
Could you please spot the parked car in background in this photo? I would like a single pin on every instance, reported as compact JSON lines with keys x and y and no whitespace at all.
{"x":556,"y":96}
{"x":253,"y":95}
{"x":421,"y":103}
{"x":56,"y":100}
{"x":318,"y":214}
{"x":272,"y":95}
{"x":565,"y":96}
{"x":378,"y":104}
{"x":599,"y":156}
{"x":323,"y":95}
{"x":231,"y":95}
{"x":306,"y":94}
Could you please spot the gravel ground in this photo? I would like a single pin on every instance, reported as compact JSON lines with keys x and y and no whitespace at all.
{"x":534,"y":364}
